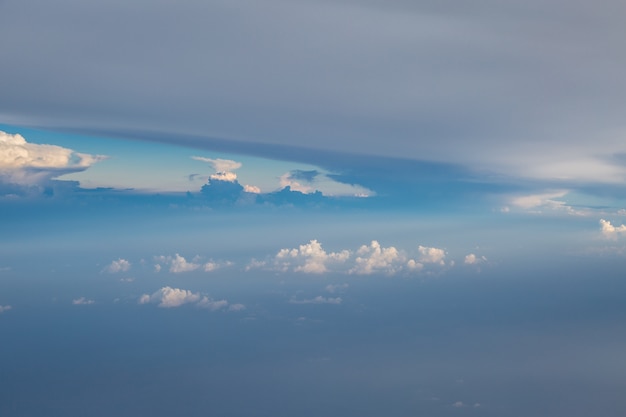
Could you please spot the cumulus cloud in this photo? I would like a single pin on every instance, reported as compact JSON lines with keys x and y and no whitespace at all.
{"x":82,"y":301}
{"x":610,"y":231}
{"x":168,"y":297}
{"x":432,"y":255}
{"x":317,"y":300}
{"x":29,"y":164}
{"x":309,"y":258}
{"x":253,"y":189}
{"x":375,"y":258}
{"x":177,"y":263}
{"x":5,"y":308}
{"x":472,"y":259}
{"x":120,"y":265}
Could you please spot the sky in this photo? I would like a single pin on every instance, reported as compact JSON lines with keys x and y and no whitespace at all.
{"x":314,"y":208}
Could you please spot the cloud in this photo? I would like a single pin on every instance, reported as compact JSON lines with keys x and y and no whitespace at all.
{"x":432,"y":255}
{"x":120,"y":265}
{"x":544,"y":201}
{"x":296,"y":184}
{"x":5,"y":308}
{"x":168,"y":297}
{"x":375,"y":258}
{"x":310,"y":258}
{"x":472,"y":259}
{"x":332,"y":288}
{"x":236,"y":307}
{"x":220,"y":165}
{"x":82,"y":301}
{"x":30,"y":164}
{"x":610,"y":231}
{"x":317,"y":300}
{"x":177,"y":263}
{"x":253,"y":189}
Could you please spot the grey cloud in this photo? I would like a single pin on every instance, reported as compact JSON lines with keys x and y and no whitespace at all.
{"x":508,"y":85}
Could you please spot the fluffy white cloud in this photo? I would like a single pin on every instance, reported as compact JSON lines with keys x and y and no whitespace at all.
{"x":5,"y":308}
{"x":375,"y":258}
{"x":311,"y":258}
{"x":318,"y":300}
{"x":431,"y":255}
{"x":224,"y":176}
{"x":177,"y":264}
{"x":252,"y":189}
{"x":610,"y":231}
{"x":168,"y":297}
{"x":26,"y":163}
{"x":82,"y":301}
{"x":120,"y":265}
{"x":472,"y":259}
{"x":220,"y":165}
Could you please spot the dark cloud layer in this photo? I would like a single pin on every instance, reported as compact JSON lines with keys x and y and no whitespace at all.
{"x":530,"y":88}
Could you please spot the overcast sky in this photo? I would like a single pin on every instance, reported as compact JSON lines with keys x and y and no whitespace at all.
{"x":531,"y":89}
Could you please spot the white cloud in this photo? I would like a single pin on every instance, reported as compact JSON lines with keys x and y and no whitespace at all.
{"x":121,"y":265}
{"x":610,"y":231}
{"x":458,"y":404}
{"x":5,"y":308}
{"x":537,"y":200}
{"x":472,"y":259}
{"x":177,"y":264}
{"x":432,"y":255}
{"x":220,"y":165}
{"x":311,"y":258}
{"x":546,"y":201}
{"x":26,"y":163}
{"x":213,"y":266}
{"x":252,"y":189}
{"x":317,"y":300}
{"x":82,"y":301}
{"x":413,"y":265}
{"x":224,"y":176}
{"x":255,"y":264}
{"x":212,"y":305}
{"x":168,"y":297}
{"x":286,"y":180}
{"x":332,"y":288}
{"x":375,"y":258}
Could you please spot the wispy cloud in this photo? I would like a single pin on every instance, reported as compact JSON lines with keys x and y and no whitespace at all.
{"x":82,"y":301}
{"x":317,"y":300}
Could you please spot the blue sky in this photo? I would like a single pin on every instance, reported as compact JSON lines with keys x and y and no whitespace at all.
{"x":312,"y":208}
